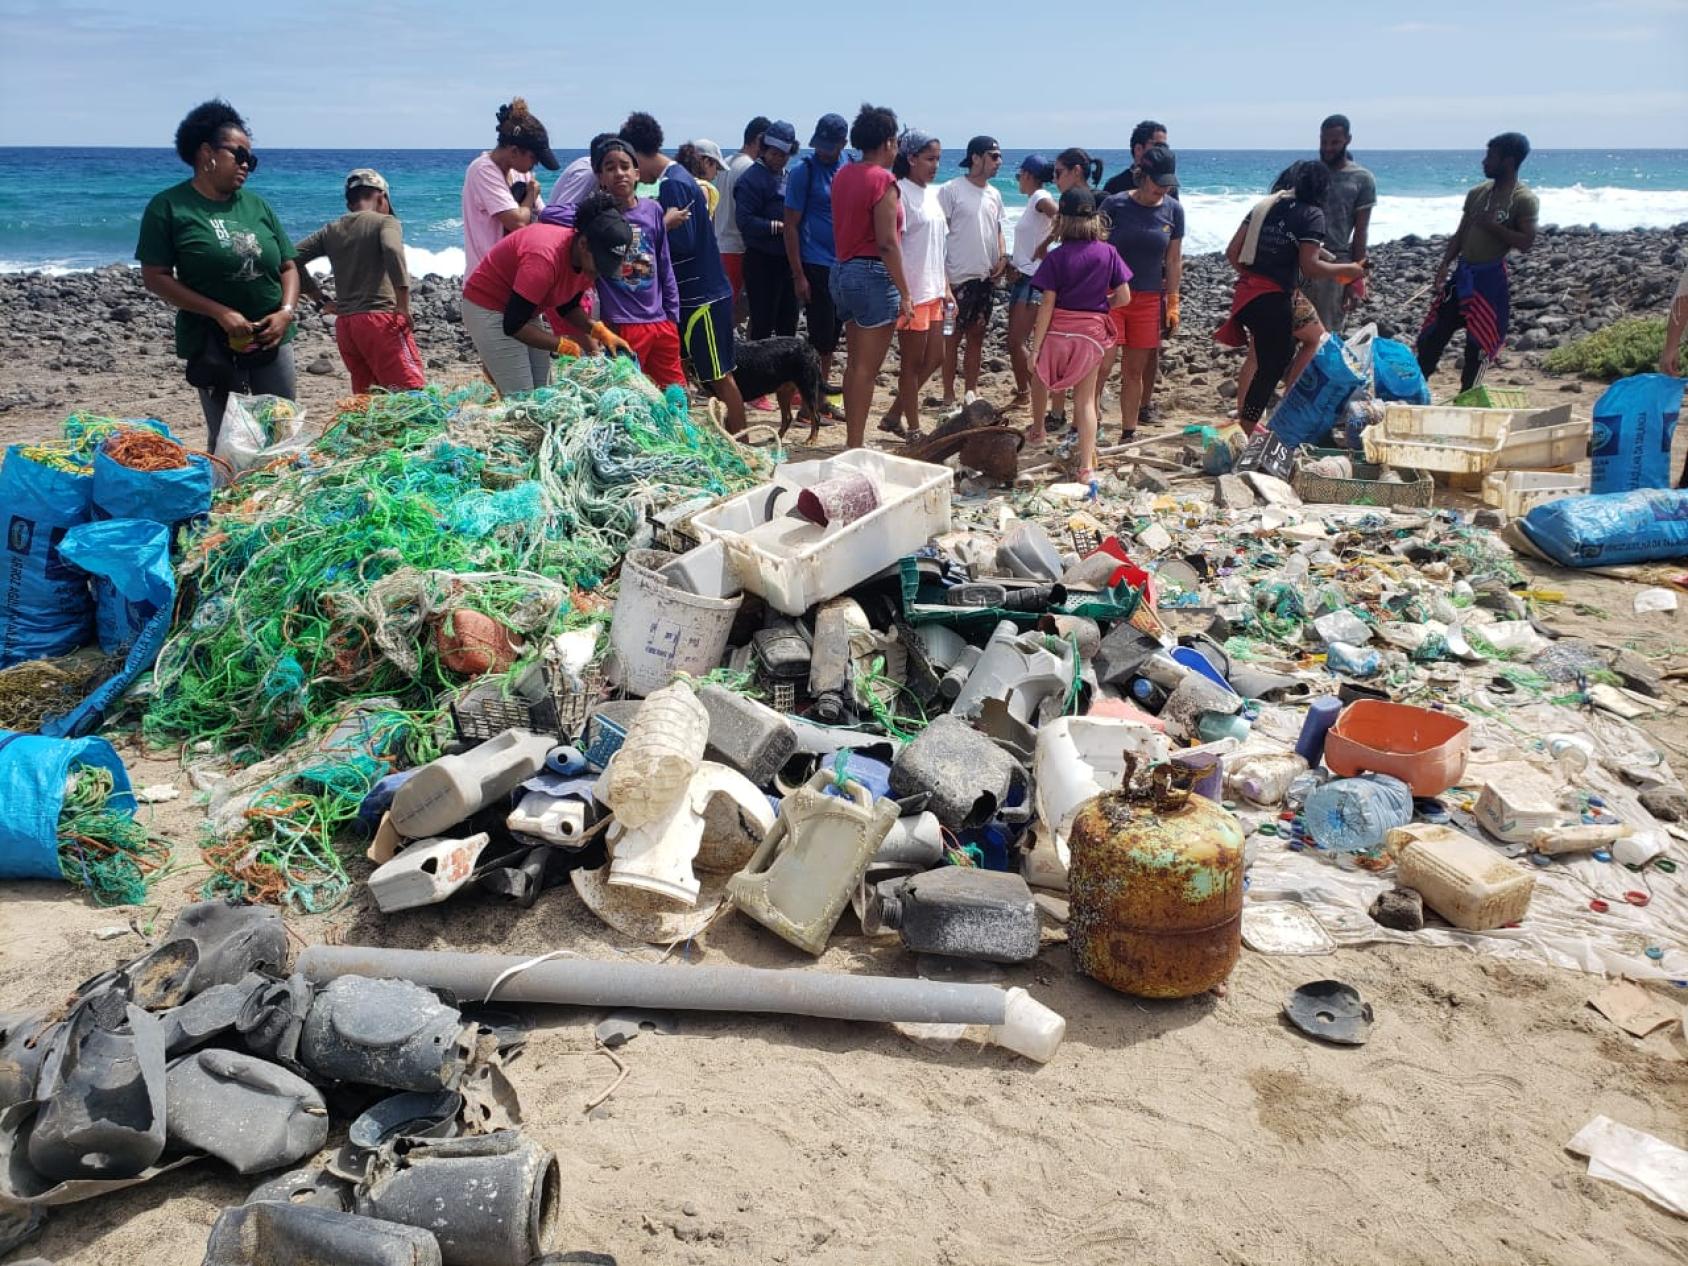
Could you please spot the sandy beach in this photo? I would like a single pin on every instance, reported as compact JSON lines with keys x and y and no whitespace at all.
{"x":1205,"y":1131}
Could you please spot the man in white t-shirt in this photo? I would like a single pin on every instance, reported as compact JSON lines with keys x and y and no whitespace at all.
{"x":727,"y":235}
{"x":975,"y":255}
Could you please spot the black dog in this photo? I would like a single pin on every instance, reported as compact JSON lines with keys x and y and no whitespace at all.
{"x":788,"y":367}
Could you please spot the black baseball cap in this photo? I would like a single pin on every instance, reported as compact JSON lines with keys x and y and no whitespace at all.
{"x":1160,"y":165}
{"x":831,"y":132}
{"x":977,"y":146}
{"x":609,"y":237}
{"x":1077,"y":203}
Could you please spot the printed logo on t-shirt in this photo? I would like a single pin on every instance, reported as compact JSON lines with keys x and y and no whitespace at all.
{"x":638,"y":266}
{"x":244,"y":244}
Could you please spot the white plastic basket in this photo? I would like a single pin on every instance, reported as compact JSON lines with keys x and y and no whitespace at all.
{"x":793,"y":563}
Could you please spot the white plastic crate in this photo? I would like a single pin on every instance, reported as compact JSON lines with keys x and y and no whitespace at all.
{"x":1517,"y":492}
{"x":793,"y":563}
{"x":1475,"y":441}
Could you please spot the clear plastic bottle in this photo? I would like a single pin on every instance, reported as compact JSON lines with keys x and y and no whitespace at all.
{"x":1352,"y":661}
{"x":660,"y":754}
{"x":1355,"y":815}
{"x":1304,"y":785}
{"x":949,"y":317}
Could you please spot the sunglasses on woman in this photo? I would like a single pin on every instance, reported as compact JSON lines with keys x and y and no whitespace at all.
{"x":242,"y":156}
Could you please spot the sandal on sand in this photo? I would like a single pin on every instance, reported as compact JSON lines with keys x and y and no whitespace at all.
{"x":1021,"y":400}
{"x":891,"y":426}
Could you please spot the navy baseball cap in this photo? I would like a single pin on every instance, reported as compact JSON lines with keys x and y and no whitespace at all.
{"x":781,"y":135}
{"x":977,"y":146}
{"x":1041,"y":169}
{"x":831,"y":132}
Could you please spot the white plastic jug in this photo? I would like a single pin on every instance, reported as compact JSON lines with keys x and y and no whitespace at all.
{"x":444,"y":792}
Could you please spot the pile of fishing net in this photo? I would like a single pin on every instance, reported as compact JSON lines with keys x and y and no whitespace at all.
{"x":318,"y":590}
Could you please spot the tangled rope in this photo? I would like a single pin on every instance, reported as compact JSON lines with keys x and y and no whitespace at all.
{"x":103,"y":849}
{"x":145,"y":450}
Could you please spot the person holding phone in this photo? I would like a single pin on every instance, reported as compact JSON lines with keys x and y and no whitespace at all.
{"x":219,"y":255}
{"x":499,"y":192}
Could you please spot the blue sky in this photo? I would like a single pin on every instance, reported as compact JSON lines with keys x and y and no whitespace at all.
{"x":1221,"y":73}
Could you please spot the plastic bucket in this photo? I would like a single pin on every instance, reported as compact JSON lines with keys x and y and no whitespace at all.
{"x":658,"y":630}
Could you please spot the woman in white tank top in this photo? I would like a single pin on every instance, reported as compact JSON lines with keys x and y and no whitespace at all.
{"x":1031,"y":230}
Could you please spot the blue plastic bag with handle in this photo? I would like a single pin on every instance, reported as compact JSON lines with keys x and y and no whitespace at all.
{"x":172,"y":497}
{"x":33,"y":773}
{"x":1314,"y":405}
{"x":135,"y":597}
{"x":46,"y":609}
{"x":1634,"y":424}
{"x":1395,"y":373}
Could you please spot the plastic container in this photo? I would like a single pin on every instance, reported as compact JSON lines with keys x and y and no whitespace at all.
{"x":1516,"y":492}
{"x":1464,"y":880}
{"x":1486,"y":397}
{"x":659,"y":629}
{"x":1079,"y":758}
{"x":658,"y":757}
{"x":1315,"y":728}
{"x":793,"y":563}
{"x":426,"y":873}
{"x":1355,"y":815}
{"x":1475,"y":441}
{"x":1352,"y":661}
{"x":1424,"y":749}
{"x":959,"y":912}
{"x":1517,"y":800}
{"x":558,"y":820}
{"x":746,"y":735}
{"x":1365,"y":487}
{"x":446,"y":791}
{"x":1264,"y":779}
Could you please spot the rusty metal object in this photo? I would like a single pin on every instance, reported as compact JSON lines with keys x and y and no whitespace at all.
{"x":1155,"y":887}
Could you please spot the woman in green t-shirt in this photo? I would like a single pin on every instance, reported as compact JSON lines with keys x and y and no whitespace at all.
{"x":220,"y":256}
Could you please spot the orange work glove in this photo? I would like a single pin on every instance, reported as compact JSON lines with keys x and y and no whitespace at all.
{"x":1172,"y":313}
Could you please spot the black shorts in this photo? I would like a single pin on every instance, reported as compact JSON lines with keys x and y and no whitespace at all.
{"x":820,"y":314}
{"x":973,"y":302}
{"x":706,"y":337}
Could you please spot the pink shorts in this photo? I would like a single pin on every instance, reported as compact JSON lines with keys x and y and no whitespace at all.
{"x":924,"y":317}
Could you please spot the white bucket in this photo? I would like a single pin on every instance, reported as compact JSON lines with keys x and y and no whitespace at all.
{"x":658,"y":630}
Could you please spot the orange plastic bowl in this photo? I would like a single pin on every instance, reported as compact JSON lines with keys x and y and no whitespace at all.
{"x":1424,"y":749}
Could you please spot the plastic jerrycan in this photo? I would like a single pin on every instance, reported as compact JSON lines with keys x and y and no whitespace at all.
{"x":446,"y":791}
{"x":801,"y":878}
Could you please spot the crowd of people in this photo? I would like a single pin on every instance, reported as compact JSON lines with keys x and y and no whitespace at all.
{"x":864,"y":247}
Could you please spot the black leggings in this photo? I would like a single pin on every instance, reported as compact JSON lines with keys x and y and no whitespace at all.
{"x":772,"y":298}
{"x":1270,"y":322}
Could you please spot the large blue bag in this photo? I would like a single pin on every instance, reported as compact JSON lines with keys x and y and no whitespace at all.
{"x":1634,"y":423}
{"x":46,"y":609}
{"x":1395,"y":373}
{"x":171,"y":497}
{"x":1643,"y":526}
{"x":1314,"y":405}
{"x":135,"y":598}
{"x":33,"y":773}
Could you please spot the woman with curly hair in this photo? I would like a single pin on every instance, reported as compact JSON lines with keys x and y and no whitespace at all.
{"x":499,"y":192}
{"x":219,"y":255}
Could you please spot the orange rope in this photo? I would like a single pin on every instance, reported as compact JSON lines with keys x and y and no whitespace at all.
{"x":145,"y":450}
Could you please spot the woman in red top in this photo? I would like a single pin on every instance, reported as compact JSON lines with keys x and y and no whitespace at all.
{"x":868,"y":287}
{"x":543,"y":268}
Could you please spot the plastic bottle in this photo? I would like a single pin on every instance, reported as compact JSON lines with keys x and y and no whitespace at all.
{"x":446,"y":791}
{"x":1321,"y":715}
{"x":1148,"y":694}
{"x":1304,"y":785}
{"x":659,"y":755}
{"x":1352,"y":661}
{"x":1264,"y":779}
{"x":1213,"y":726}
{"x":1354,"y":815}
{"x":949,"y":317}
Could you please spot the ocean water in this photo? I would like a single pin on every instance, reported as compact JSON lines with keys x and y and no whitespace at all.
{"x":70,"y":209}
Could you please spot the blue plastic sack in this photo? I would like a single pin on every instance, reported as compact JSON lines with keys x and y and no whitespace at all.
{"x":135,"y":596}
{"x":33,"y":773}
{"x":46,"y":609}
{"x":1634,"y":423}
{"x":1620,"y":527}
{"x":1395,"y":373}
{"x":172,"y":497}
{"x":1314,"y":405}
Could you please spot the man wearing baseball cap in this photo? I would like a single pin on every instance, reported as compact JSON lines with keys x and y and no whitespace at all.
{"x":808,"y":234}
{"x":371,"y":304}
{"x":759,"y":209}
{"x":975,"y":255}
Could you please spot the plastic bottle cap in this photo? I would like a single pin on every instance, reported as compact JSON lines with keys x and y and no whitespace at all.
{"x":1601,"y":855}
{"x":1598,"y":906}
{"x":1655,"y":953}
{"x":1541,"y":859}
{"x":1637,"y":898}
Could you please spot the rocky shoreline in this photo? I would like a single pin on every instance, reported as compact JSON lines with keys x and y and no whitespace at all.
{"x":62,"y":331}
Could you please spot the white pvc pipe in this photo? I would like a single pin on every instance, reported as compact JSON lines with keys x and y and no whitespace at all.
{"x":1017,"y":1020}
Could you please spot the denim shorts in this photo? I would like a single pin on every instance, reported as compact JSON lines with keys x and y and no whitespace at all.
{"x":863,"y":292}
{"x":1024,"y":292}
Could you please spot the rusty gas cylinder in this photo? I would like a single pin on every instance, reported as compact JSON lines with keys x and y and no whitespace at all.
{"x":1155,"y":888}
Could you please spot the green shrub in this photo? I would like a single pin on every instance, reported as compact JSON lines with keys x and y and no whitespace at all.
{"x":1630,"y":346}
